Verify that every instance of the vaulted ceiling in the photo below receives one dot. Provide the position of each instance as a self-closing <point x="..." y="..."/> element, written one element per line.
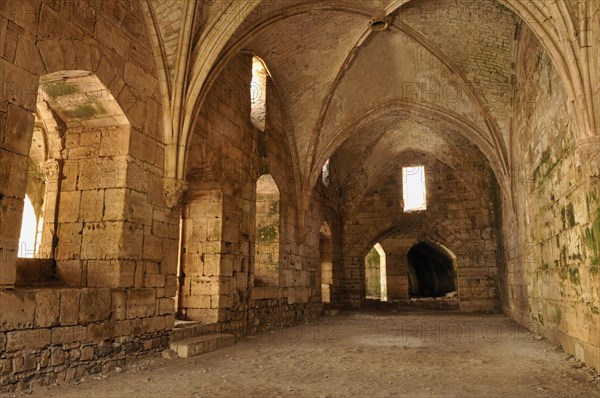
<point x="446" y="66"/>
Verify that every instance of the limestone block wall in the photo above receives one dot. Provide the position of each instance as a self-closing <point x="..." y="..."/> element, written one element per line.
<point x="551" y="240"/>
<point x="396" y="248"/>
<point x="458" y="217"/>
<point x="372" y="275"/>
<point x="116" y="251"/>
<point x="61" y="334"/>
<point x="228" y="152"/>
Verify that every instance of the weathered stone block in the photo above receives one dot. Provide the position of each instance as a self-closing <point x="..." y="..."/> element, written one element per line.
<point x="118" y="304"/>
<point x="92" y="205"/>
<point x="153" y="248"/>
<point x="47" y="309"/>
<point x="154" y="280"/>
<point x="152" y="324"/>
<point x="122" y="328"/>
<point x="27" y="339"/>
<point x="71" y="271"/>
<point x="115" y="141"/>
<point x="166" y="306"/>
<point x="87" y="353"/>
<point x="98" y="331"/>
<point x="104" y="273"/>
<point x="94" y="305"/>
<point x="68" y="334"/>
<point x="17" y="309"/>
<point x="211" y="264"/>
<point x="19" y="130"/>
<point x="69" y="207"/>
<point x="69" y="306"/>
<point x="100" y="241"/>
<point x="57" y="357"/>
<point x="116" y="210"/>
<point x="141" y="303"/>
<point x="170" y="286"/>
<point x="196" y="301"/>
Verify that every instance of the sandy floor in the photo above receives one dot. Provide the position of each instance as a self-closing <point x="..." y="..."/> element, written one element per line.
<point x="408" y="353"/>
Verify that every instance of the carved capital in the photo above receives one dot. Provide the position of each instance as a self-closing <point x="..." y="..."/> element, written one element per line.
<point x="51" y="170"/>
<point x="174" y="188"/>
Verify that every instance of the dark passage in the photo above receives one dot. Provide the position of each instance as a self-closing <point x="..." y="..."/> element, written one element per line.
<point x="431" y="271"/>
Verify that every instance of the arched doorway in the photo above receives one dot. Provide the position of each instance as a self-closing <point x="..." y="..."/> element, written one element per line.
<point x="375" y="274"/>
<point x="326" y="262"/>
<point x="431" y="270"/>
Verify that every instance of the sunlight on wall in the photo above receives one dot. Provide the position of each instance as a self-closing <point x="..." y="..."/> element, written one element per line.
<point x="382" y="271"/>
<point x="413" y="187"/>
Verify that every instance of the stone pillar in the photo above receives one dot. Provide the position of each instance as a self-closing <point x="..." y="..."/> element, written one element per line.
<point x="52" y="172"/>
<point x="201" y="255"/>
<point x="16" y="125"/>
<point x="397" y="271"/>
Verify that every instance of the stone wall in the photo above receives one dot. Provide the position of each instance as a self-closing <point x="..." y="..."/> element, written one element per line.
<point x="458" y="217"/>
<point x="551" y="241"/>
<point x="56" y="335"/>
<point x="116" y="241"/>
<point x="229" y="154"/>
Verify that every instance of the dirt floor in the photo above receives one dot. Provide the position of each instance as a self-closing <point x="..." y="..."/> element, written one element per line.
<point x="405" y="353"/>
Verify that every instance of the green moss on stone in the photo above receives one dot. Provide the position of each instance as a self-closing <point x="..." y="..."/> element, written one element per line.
<point x="267" y="234"/>
<point x="570" y="214"/>
<point x="574" y="276"/>
<point x="592" y="238"/>
<point x="60" y="89"/>
<point x="274" y="209"/>
<point x="545" y="167"/>
<point x="539" y="319"/>
<point x="85" y="111"/>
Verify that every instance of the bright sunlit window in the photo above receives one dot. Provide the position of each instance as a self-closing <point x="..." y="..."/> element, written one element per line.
<point x="258" y="93"/>
<point x="413" y="186"/>
<point x="28" y="231"/>
<point x="325" y="173"/>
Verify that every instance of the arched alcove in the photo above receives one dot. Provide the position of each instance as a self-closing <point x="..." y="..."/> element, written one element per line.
<point x="326" y="261"/>
<point x="431" y="270"/>
<point x="266" y="239"/>
<point x="77" y="161"/>
<point x="375" y="274"/>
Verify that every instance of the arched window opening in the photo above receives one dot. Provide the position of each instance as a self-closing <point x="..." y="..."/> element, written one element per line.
<point x="414" y="191"/>
<point x="326" y="262"/>
<point x="28" y="239"/>
<point x="200" y="256"/>
<point x="325" y="174"/>
<point x="258" y="94"/>
<point x="266" y="246"/>
<point x="33" y="210"/>
<point x="375" y="274"/>
<point x="431" y="270"/>
<point x="78" y="127"/>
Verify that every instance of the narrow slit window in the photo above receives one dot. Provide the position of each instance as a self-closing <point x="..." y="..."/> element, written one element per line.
<point x="258" y="94"/>
<point x="325" y="173"/>
<point x="413" y="186"/>
<point x="27" y="239"/>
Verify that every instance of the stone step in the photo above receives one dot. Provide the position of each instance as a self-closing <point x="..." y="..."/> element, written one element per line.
<point x="186" y="324"/>
<point x="183" y="331"/>
<point x="203" y="344"/>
